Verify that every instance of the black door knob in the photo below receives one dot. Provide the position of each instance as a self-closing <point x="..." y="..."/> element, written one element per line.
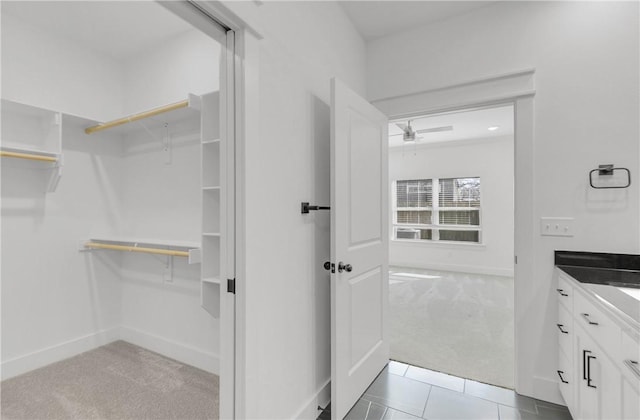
<point x="344" y="267"/>
<point x="327" y="265"/>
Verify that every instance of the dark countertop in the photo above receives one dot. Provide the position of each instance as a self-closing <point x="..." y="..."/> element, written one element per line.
<point x="608" y="276"/>
<point x="621" y="270"/>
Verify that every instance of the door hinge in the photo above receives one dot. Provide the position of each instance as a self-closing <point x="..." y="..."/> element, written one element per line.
<point x="231" y="286"/>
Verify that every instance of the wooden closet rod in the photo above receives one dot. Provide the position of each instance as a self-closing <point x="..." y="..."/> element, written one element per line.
<point x="136" y="117"/>
<point x="169" y="252"/>
<point x="28" y="156"/>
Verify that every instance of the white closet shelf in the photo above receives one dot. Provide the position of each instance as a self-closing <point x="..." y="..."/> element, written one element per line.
<point x="211" y="188"/>
<point x="190" y="250"/>
<point x="213" y="234"/>
<point x="176" y="111"/>
<point x="29" y="154"/>
<point x="212" y="141"/>
<point x="50" y="160"/>
<point x="211" y="280"/>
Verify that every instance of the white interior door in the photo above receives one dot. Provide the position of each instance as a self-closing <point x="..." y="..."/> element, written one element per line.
<point x="359" y="241"/>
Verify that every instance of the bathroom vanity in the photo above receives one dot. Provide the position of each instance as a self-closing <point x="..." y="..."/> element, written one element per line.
<point x="598" y="330"/>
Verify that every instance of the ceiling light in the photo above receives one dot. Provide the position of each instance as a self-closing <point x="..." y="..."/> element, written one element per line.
<point x="493" y="128"/>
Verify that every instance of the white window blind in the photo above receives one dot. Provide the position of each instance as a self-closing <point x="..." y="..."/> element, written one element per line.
<point x="454" y="214"/>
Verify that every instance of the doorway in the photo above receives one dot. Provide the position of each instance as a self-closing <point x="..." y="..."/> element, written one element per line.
<point x="451" y="280"/>
<point x="114" y="185"/>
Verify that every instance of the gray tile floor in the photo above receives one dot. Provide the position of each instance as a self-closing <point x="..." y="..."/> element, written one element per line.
<point x="408" y="392"/>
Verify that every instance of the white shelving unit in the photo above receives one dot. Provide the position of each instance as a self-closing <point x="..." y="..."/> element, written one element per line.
<point x="208" y="252"/>
<point x="32" y="138"/>
<point x="212" y="191"/>
<point x="35" y="135"/>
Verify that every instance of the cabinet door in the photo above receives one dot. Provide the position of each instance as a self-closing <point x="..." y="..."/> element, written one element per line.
<point x="630" y="399"/>
<point x="630" y="369"/>
<point x="599" y="393"/>
<point x="605" y="375"/>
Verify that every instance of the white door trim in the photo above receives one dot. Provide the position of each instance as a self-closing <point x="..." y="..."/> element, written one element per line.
<point x="475" y="93"/>
<point x="217" y="21"/>
<point x="517" y="88"/>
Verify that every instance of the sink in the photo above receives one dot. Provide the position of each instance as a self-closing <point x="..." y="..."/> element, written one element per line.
<point x="634" y="293"/>
<point x="624" y="299"/>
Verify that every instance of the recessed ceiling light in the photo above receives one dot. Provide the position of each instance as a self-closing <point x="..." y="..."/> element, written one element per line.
<point x="493" y="128"/>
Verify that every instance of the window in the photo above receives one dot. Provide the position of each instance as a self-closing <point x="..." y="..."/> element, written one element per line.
<point x="454" y="214"/>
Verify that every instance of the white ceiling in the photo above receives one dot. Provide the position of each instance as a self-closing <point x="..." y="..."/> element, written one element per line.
<point x="374" y="19"/>
<point x="471" y="124"/>
<point x="119" y="29"/>
<point x="107" y="29"/>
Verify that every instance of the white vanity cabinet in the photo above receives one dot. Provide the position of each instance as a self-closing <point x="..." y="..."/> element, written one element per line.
<point x="597" y="375"/>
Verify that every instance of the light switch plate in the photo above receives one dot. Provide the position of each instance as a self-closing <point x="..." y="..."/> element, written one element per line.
<point x="556" y="226"/>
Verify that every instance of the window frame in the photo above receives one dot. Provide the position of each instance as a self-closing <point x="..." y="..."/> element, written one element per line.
<point x="435" y="226"/>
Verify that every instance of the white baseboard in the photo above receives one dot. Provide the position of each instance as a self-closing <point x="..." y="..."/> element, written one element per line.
<point x="458" y="268"/>
<point x="542" y="389"/>
<point x="547" y="390"/>
<point x="321" y="397"/>
<point x="209" y="362"/>
<point x="37" y="359"/>
<point x="206" y="361"/>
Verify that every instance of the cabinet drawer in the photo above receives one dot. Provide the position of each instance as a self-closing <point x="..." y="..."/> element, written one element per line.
<point x="597" y="324"/>
<point x="630" y="357"/>
<point x="565" y="330"/>
<point x="566" y="379"/>
<point x="565" y="292"/>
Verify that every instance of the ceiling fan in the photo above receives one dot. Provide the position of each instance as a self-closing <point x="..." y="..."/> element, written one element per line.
<point x="409" y="134"/>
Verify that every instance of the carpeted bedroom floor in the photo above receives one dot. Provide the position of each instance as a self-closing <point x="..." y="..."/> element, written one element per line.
<point x="116" y="381"/>
<point x="456" y="323"/>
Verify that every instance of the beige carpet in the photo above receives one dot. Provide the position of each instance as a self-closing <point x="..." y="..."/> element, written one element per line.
<point x="116" y="381"/>
<point x="456" y="323"/>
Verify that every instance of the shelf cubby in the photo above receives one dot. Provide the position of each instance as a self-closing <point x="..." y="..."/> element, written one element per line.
<point x="210" y="256"/>
<point x="211" y="211"/>
<point x="210" y="165"/>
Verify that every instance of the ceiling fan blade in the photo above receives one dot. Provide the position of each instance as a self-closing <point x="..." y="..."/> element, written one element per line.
<point x="435" y="129"/>
<point x="402" y="126"/>
<point x="399" y="134"/>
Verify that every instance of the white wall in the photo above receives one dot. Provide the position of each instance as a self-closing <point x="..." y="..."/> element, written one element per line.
<point x="110" y="185"/>
<point x="492" y="160"/>
<point x="286" y="290"/>
<point x="585" y="56"/>
<point x="56" y="302"/>
<point x="56" y="73"/>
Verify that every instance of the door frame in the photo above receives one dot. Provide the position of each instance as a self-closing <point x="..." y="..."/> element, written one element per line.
<point x="517" y="88"/>
<point x="221" y="24"/>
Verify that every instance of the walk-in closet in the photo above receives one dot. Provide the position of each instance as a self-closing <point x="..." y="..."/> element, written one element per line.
<point x="114" y="201"/>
